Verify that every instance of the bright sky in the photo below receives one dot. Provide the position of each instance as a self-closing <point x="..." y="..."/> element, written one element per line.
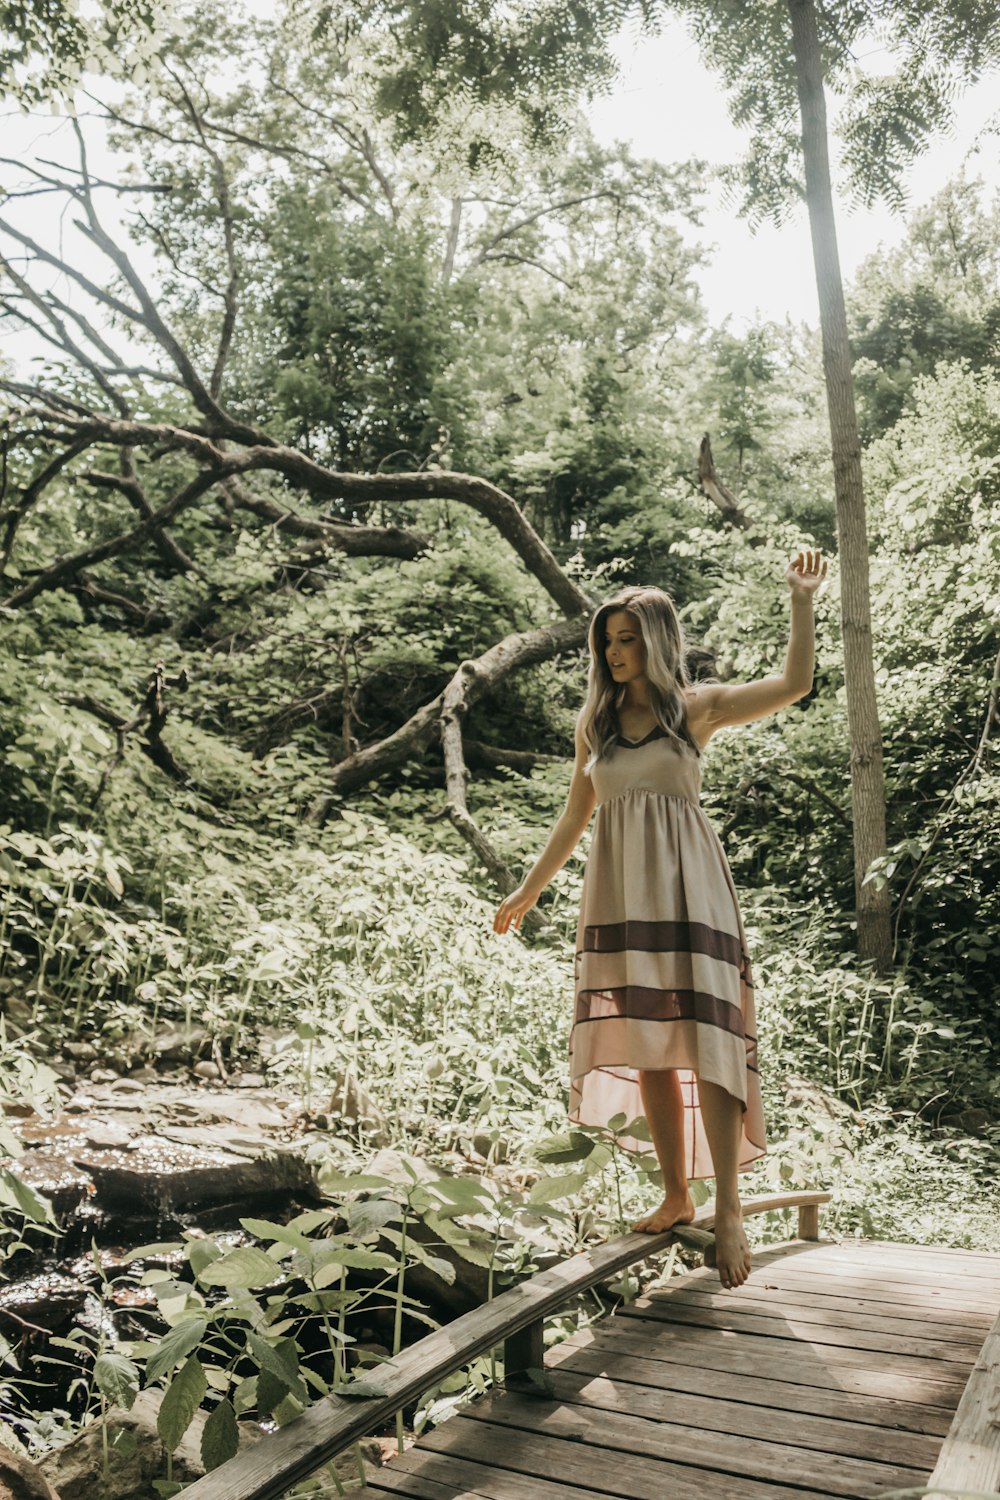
<point x="668" y="105"/>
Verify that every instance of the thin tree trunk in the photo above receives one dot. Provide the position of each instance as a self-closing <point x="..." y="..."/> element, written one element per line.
<point x="867" y="777"/>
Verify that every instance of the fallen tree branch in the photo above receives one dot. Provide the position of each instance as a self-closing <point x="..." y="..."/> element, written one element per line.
<point x="481" y="676"/>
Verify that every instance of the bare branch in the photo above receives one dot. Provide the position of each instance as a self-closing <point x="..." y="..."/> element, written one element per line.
<point x="540" y="213"/>
<point x="356" y="541"/>
<point x="68" y="567"/>
<point x="226" y="208"/>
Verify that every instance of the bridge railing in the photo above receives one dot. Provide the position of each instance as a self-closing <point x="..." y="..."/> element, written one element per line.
<point x="515" y="1318"/>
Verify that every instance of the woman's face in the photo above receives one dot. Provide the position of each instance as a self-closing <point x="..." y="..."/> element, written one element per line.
<point x="624" y="648"/>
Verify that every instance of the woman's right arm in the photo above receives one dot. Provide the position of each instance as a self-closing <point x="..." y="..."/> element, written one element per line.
<point x="562" y="841"/>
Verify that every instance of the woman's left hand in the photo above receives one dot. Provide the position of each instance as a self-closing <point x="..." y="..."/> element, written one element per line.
<point x="806" y="573"/>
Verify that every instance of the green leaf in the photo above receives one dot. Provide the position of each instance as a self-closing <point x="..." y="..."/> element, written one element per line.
<point x="176" y="1345"/>
<point x="248" y="1267"/>
<point x="183" y="1397"/>
<point x="23" y="1197"/>
<point x="201" y="1253"/>
<point x="146" y="1252"/>
<point x="221" y="1437"/>
<point x="282" y="1234"/>
<point x="335" y="1183"/>
<point x="117" y="1378"/>
<point x="361" y="1390"/>
<point x="562" y="1150"/>
<point x="550" y="1189"/>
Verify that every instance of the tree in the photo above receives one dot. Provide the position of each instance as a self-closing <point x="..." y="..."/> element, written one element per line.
<point x="775" y="61"/>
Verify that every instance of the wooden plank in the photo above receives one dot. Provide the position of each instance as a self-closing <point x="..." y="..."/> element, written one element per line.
<point x="711" y="1413"/>
<point x="970" y="1457"/>
<point x="621" y="1474"/>
<point x="923" y="1347"/>
<point x="829" y="1369"/>
<point x="948" y="1250"/>
<point x="756" y="1389"/>
<point x="618" y="1432"/>
<point x="984" y="1275"/>
<point x="880" y="1288"/>
<point x="943" y="1277"/>
<point x="835" y="1312"/>
<point x="788" y="1345"/>
<point x="440" y="1476"/>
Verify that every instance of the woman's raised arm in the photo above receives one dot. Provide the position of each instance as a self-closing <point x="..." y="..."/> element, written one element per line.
<point x="719" y="705"/>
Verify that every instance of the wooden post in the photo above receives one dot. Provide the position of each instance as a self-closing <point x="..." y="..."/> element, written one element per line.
<point x="524" y="1350"/>
<point x="809" y="1221"/>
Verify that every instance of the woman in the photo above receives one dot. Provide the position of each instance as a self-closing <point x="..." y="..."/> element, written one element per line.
<point x="664" y="1019"/>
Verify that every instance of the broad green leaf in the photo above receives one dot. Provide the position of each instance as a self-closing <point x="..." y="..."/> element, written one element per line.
<point x="117" y="1378"/>
<point x="551" y="1189"/>
<point x="175" y="1346"/>
<point x="23" y="1197"/>
<point x="146" y="1252"/>
<point x="183" y="1396"/>
<point x="281" y="1233"/>
<point x="246" y="1267"/>
<point x="333" y="1183"/>
<point x="201" y="1253"/>
<point x="220" y="1438"/>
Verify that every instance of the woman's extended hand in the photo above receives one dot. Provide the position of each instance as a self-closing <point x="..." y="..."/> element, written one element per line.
<point x="806" y="573"/>
<point x="513" y="907"/>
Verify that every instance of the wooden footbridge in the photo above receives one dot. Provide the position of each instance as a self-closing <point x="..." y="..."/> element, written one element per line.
<point x="839" y="1369"/>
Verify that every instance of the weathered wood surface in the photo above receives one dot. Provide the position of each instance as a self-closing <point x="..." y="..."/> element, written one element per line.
<point x="836" y="1370"/>
<point x="970" y="1456"/>
<point x="294" y="1452"/>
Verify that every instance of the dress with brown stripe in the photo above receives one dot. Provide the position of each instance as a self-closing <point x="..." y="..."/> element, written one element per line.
<point x="663" y="976"/>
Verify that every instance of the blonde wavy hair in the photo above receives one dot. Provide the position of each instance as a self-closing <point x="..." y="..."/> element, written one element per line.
<point x="666" y="673"/>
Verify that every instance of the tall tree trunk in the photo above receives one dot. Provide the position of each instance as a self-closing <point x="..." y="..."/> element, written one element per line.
<point x="867" y="777"/>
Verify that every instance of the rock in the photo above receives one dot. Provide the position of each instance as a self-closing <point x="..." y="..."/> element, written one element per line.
<point x="236" y="1109"/>
<point x="20" y="1479"/>
<point x="56" y="1177"/>
<point x="250" y="1081"/>
<point x="483" y="1144"/>
<point x="75" y="1469"/>
<point x="80" y="1052"/>
<point x="103" y="1075"/>
<point x="159" y="1174"/>
<point x="107" y="1137"/>
<point x="48" y="1301"/>
<point x="18" y="1013"/>
<point x="136" y="1084"/>
<point x="206" y="1069"/>
<point x="80" y="1103"/>
<point x="179" y="1045"/>
<point x="389" y="1163"/>
<point x="351" y="1101"/>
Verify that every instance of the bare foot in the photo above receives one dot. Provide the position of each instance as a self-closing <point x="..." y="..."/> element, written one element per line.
<point x="676" y="1208"/>
<point x="733" y="1260"/>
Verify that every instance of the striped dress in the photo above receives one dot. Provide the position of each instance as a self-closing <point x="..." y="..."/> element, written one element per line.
<point x="662" y="973"/>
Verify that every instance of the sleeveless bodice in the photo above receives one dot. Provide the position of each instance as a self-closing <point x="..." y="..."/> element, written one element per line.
<point x="652" y="764"/>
